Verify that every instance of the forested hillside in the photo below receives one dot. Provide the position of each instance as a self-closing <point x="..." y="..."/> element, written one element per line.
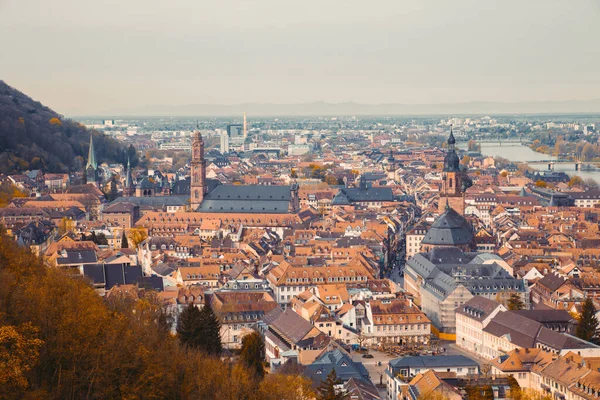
<point x="32" y="136"/>
<point x="60" y="340"/>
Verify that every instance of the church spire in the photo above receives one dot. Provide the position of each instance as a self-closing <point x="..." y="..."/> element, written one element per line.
<point x="451" y="140"/>
<point x="129" y="179"/>
<point x="91" y="161"/>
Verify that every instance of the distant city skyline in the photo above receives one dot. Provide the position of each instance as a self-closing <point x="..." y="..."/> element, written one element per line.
<point x="92" y="58"/>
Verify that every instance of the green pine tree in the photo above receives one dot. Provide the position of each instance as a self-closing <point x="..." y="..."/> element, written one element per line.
<point x="587" y="329"/>
<point x="253" y="354"/>
<point x="327" y="389"/>
<point x="124" y="242"/>
<point x="210" y="331"/>
<point x="515" y="302"/>
<point x="189" y="326"/>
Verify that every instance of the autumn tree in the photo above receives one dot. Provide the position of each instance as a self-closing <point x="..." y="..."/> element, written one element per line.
<point x="137" y="236"/>
<point x="8" y="192"/>
<point x="285" y="387"/>
<point x="479" y="392"/>
<point x="330" y="179"/>
<point x="65" y="225"/>
<point x="587" y="328"/>
<point x="252" y="355"/>
<point x="515" y="388"/>
<point x="55" y="121"/>
<point x="541" y="184"/>
<point x="576" y="181"/>
<point x="114" y="348"/>
<point x="19" y="353"/>
<point x="327" y="390"/>
<point x="588" y="152"/>
<point x="515" y="302"/>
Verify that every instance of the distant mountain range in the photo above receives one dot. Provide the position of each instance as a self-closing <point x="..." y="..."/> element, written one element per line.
<point x="350" y="108"/>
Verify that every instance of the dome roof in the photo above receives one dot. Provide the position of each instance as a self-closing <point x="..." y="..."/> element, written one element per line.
<point x="451" y="139"/>
<point x="450" y="229"/>
<point x="451" y="162"/>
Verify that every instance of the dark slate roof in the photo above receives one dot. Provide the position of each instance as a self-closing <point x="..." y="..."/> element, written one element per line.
<point x="478" y="308"/>
<point x="145" y="184"/>
<point x="155" y="201"/>
<point x="336" y="359"/>
<point x="522" y="330"/>
<point x="562" y="341"/>
<point x="119" y="274"/>
<point x="546" y="316"/>
<point x="451" y="162"/>
<point x="428" y="362"/>
<point x="78" y="257"/>
<point x="151" y="282"/>
<point x="95" y="272"/>
<point x="351" y="195"/>
<point x="450" y="229"/>
<point x="181" y="186"/>
<point x="552" y="281"/>
<point x="259" y="199"/>
<point x="590" y="194"/>
<point x="32" y="234"/>
<point x="448" y="255"/>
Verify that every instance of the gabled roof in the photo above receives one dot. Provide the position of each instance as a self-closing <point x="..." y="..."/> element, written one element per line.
<point x="288" y="324"/>
<point x="478" y="308"/>
<point x="336" y="359"/>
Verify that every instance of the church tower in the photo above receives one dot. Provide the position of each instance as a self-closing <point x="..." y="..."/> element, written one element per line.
<point x="198" y="186"/>
<point x="91" y="168"/>
<point x="128" y="188"/>
<point x="454" y="182"/>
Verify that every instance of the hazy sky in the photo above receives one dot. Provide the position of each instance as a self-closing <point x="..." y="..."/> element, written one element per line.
<point x="85" y="56"/>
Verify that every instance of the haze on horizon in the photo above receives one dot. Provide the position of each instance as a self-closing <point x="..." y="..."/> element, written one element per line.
<point x="87" y="57"/>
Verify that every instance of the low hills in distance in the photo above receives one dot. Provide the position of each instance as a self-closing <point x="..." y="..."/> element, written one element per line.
<point x="32" y="136"/>
<point x="351" y="108"/>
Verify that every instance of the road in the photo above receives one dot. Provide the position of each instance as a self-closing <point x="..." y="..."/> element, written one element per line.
<point x="375" y="370"/>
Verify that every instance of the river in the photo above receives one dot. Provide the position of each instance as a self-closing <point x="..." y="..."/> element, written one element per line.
<point x="519" y="153"/>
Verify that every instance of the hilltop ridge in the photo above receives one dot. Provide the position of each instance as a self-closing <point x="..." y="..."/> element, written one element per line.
<point x="33" y="136"/>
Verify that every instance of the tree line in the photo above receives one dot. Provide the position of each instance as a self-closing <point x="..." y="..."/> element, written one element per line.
<point x="60" y="340"/>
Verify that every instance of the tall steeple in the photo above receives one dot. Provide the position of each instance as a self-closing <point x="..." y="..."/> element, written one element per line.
<point x="91" y="168"/>
<point x="128" y="189"/>
<point x="91" y="161"/>
<point x="198" y="186"/>
<point x="453" y="181"/>
<point x="451" y="140"/>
